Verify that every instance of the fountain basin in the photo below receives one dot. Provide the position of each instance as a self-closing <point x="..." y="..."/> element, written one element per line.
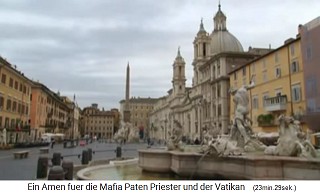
<point x="121" y="170"/>
<point x="155" y="160"/>
<point x="250" y="166"/>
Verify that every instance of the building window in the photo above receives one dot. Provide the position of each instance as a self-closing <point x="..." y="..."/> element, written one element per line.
<point x="11" y="82"/>
<point x="278" y="72"/>
<point x="292" y="49"/>
<point x="253" y="68"/>
<point x="278" y="92"/>
<point x="244" y="71"/>
<point x="294" y="67"/>
<point x="8" y="105"/>
<point x="0" y="121"/>
<point x="296" y="92"/>
<point x="264" y="97"/>
<point x="1" y="102"/>
<point x="276" y="57"/>
<point x="219" y="110"/>
<point x="255" y="102"/>
<point x="14" y="106"/>
<point x="204" y="49"/>
<point x="264" y="76"/>
<point x="264" y="64"/>
<point x="19" y="108"/>
<point x="16" y="85"/>
<point x="3" y="78"/>
<point x="235" y="75"/>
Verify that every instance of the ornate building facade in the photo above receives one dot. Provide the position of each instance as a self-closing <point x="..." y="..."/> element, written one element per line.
<point x="205" y="105"/>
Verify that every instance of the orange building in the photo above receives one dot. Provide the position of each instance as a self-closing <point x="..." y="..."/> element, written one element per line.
<point x="49" y="113"/>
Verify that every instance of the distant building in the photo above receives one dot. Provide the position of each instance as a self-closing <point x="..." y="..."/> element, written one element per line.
<point x="15" y="93"/>
<point x="100" y="123"/>
<point x="73" y="118"/>
<point x="140" y="109"/>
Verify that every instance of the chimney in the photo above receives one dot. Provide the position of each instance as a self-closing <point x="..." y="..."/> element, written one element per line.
<point x="300" y="28"/>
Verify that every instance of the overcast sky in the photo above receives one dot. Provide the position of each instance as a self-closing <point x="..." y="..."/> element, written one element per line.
<point x="82" y="47"/>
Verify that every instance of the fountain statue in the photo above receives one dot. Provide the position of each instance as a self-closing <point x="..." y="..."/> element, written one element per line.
<point x="241" y="137"/>
<point x="292" y="141"/>
<point x="126" y="133"/>
<point x="174" y="142"/>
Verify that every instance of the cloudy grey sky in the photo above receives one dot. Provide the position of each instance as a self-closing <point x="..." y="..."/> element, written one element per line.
<point x="82" y="46"/>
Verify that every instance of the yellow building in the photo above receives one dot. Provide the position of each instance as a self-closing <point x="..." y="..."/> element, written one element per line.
<point x="279" y="85"/>
<point x="15" y="91"/>
<point x="140" y="109"/>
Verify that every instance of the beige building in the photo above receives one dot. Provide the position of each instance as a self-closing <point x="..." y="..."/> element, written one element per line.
<point x="73" y="118"/>
<point x="140" y="109"/>
<point x="15" y="91"/>
<point x="100" y="123"/>
<point x="205" y="105"/>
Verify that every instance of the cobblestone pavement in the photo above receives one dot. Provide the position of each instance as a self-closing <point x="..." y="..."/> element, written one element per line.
<point x="26" y="169"/>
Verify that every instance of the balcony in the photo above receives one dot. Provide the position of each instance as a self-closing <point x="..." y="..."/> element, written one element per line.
<point x="278" y="103"/>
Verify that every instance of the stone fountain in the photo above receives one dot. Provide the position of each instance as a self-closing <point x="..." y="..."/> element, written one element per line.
<point x="126" y="133"/>
<point x="239" y="155"/>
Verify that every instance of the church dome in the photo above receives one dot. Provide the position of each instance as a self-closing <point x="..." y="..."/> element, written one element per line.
<point x="224" y="41"/>
<point x="221" y="39"/>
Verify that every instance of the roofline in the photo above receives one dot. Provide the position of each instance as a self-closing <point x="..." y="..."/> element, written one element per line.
<point x="10" y="66"/>
<point x="262" y="56"/>
<point x="228" y="54"/>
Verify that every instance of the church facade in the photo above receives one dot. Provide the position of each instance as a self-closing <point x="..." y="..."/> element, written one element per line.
<point x="206" y="104"/>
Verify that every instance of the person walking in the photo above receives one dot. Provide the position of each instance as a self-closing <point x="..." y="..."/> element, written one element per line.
<point x="52" y="142"/>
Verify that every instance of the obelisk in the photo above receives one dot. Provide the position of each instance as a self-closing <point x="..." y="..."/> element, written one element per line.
<point x="126" y="110"/>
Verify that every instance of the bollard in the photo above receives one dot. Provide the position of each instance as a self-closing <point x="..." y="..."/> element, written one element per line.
<point x="67" y="166"/>
<point x="118" y="152"/>
<point x="56" y="173"/>
<point x="85" y="157"/>
<point x="42" y="167"/>
<point x="90" y="154"/>
<point x="56" y="159"/>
